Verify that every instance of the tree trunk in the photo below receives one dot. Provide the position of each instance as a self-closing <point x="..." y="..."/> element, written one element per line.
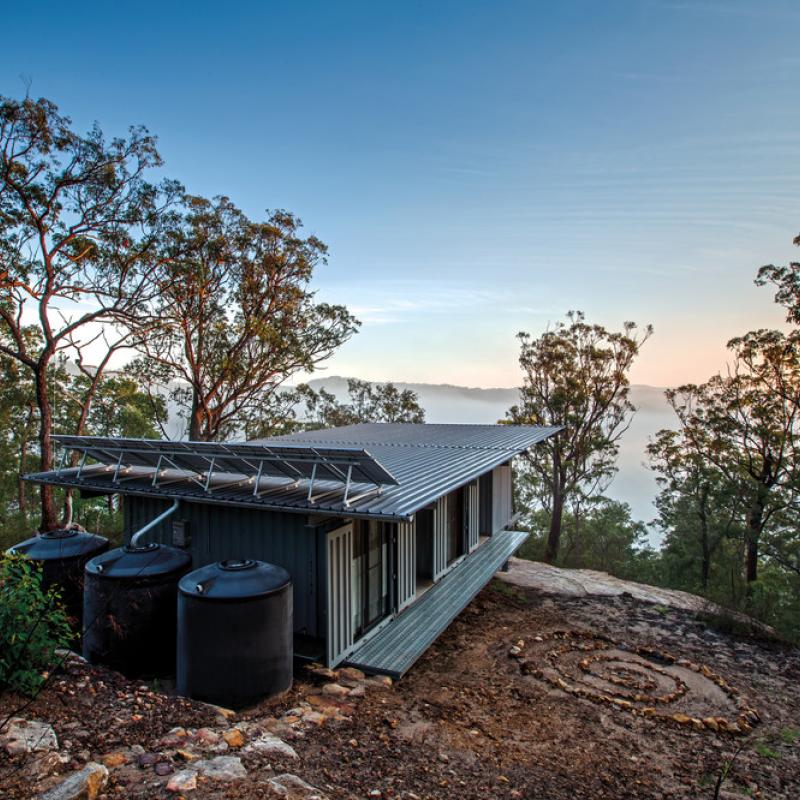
<point x="49" y="519"/>
<point x="22" y="497"/>
<point x="705" y="564"/>
<point x="755" y="521"/>
<point x="554" y="535"/>
<point x="196" y="420"/>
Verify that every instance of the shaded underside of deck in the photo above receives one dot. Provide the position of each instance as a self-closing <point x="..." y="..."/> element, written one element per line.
<point x="397" y="646"/>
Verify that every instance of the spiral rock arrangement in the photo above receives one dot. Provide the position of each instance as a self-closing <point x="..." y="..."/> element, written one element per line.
<point x="643" y="681"/>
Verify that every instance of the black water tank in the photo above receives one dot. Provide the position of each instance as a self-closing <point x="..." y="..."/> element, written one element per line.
<point x="129" y="609"/>
<point x="235" y="633"/>
<point x="63" y="555"/>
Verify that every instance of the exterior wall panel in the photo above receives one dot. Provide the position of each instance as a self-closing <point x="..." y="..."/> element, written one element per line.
<point x="224" y="532"/>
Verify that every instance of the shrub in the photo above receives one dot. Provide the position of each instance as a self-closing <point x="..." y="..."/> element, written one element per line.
<point x="33" y="625"/>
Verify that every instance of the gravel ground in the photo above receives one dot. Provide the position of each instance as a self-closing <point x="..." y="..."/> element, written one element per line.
<point x="527" y="695"/>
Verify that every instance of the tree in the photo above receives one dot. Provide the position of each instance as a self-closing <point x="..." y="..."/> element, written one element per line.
<point x="304" y="408"/>
<point x="786" y="280"/>
<point x="575" y="376"/>
<point x="235" y="317"/>
<point x="367" y="402"/>
<point x="123" y="409"/>
<point x="78" y="225"/>
<point x="696" y="501"/>
<point x="18" y="421"/>
<point x="746" y="425"/>
<point x="603" y="537"/>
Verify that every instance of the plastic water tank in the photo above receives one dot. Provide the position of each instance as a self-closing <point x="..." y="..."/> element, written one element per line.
<point x="63" y="555"/>
<point x="235" y="633"/>
<point x="129" y="609"/>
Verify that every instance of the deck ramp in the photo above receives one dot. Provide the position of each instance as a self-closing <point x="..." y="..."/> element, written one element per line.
<point x="394" y="649"/>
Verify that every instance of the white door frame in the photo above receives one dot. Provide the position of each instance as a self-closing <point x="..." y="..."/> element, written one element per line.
<point x="339" y="552"/>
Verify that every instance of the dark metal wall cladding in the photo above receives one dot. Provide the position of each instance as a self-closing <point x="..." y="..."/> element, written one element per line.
<point x="63" y="558"/>
<point x="234" y="652"/>
<point x="129" y="622"/>
<point x="219" y="533"/>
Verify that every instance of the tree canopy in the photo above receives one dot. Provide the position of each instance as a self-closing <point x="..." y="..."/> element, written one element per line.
<point x="575" y="376"/>
<point x="234" y="316"/>
<point x="79" y="224"/>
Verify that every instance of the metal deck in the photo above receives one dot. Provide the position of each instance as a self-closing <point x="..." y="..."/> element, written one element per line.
<point x="394" y="649"/>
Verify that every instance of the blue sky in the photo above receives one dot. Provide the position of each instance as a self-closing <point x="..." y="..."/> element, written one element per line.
<point x="477" y="168"/>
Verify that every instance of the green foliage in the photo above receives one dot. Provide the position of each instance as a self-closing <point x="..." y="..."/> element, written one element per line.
<point x="786" y="280"/>
<point x="789" y="735"/>
<point x="367" y="402"/>
<point x="78" y="227"/>
<point x="235" y="315"/>
<point x="576" y="377"/>
<point x="745" y="426"/>
<point x="122" y="408"/>
<point x="765" y="751"/>
<point x="601" y="535"/>
<point x="33" y="625"/>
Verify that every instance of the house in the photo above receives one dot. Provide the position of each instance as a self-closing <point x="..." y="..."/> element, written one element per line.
<point x="388" y="530"/>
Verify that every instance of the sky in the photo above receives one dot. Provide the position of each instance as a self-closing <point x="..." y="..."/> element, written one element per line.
<point x="476" y="168"/>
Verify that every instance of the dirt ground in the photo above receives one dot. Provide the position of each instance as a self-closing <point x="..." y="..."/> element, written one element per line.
<point x="526" y="695"/>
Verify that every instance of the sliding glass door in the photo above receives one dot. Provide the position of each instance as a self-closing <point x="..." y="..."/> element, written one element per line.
<point x="371" y="570"/>
<point x="456" y="525"/>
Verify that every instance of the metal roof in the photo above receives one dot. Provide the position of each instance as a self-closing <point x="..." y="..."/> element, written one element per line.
<point x="426" y="461"/>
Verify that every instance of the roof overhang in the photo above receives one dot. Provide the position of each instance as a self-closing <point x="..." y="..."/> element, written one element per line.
<point x="334" y="476"/>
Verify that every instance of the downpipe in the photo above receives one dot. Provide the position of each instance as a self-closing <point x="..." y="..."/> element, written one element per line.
<point x="135" y="539"/>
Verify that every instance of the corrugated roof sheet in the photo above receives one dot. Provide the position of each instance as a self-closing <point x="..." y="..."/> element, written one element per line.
<point x="428" y="461"/>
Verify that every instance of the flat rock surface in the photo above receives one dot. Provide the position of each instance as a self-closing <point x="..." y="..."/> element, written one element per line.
<point x="533" y="692"/>
<point x="584" y="582"/>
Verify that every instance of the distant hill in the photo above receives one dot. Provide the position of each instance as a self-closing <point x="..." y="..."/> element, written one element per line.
<point x="634" y="483"/>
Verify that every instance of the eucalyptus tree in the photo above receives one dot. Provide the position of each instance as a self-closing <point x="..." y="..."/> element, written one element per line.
<point x="786" y="280"/>
<point x="575" y="376"/>
<point x="235" y="316"/>
<point x="18" y="424"/>
<point x="696" y="501"/>
<point x="366" y="402"/>
<point x="746" y="425"/>
<point x="78" y="228"/>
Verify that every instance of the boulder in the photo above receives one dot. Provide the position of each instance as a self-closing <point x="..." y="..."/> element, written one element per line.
<point x="320" y="672"/>
<point x="293" y="788"/>
<point x="270" y="745"/>
<point x="84" y="785"/>
<point x="28" y="736"/>
<point x="183" y="781"/>
<point x="234" y="737"/>
<point x="222" y="768"/>
<point x="116" y="759"/>
<point x="335" y="690"/>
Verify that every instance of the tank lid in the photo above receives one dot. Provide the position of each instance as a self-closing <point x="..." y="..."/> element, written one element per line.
<point x="139" y="562"/>
<point x="235" y="580"/>
<point x="64" y="543"/>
